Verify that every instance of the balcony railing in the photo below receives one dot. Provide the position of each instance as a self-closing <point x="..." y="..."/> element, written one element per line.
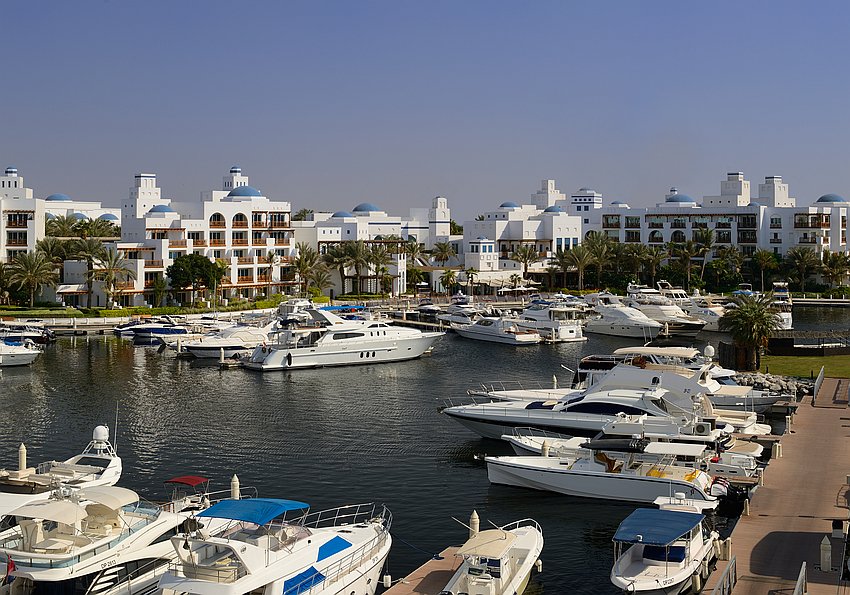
<point x="656" y="240"/>
<point x="699" y="225"/>
<point x="611" y="225"/>
<point x="245" y="279"/>
<point x="775" y="240"/>
<point x="218" y="224"/>
<point x="16" y="224"/>
<point x="153" y="264"/>
<point x="775" y="226"/>
<point x="632" y="225"/>
<point x="723" y="225"/>
<point x="259" y="242"/>
<point x="747" y="224"/>
<point x="239" y="241"/>
<point x="199" y="243"/>
<point x="125" y="285"/>
<point x="16" y="242"/>
<point x="281" y="242"/>
<point x="240" y="224"/>
<point x="149" y="284"/>
<point x="217" y="243"/>
<point x="245" y="260"/>
<point x="278" y="224"/>
<point x="677" y="225"/>
<point x="263" y="278"/>
<point x="177" y="243"/>
<point x="807" y="241"/>
<point x="655" y="225"/>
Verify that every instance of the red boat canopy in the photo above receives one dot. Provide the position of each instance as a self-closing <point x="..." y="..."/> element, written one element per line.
<point x="188" y="480"/>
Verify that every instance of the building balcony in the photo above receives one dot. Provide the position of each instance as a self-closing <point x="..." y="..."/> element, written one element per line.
<point x="278" y="225"/>
<point x="259" y="242"/>
<point x="632" y="225"/>
<point x="775" y="226"/>
<point x="218" y="224"/>
<point x="678" y="225"/>
<point x="263" y="279"/>
<point x="655" y="225"/>
<point x="655" y="241"/>
<point x="217" y="243"/>
<point x="177" y="243"/>
<point x="199" y="243"/>
<point x="246" y="260"/>
<point x="632" y="240"/>
<point x="281" y="242"/>
<point x="149" y="284"/>
<point x="807" y="241"/>
<point x="747" y="225"/>
<point x="611" y="225"/>
<point x="245" y="279"/>
<point x="240" y="224"/>
<point x="16" y="242"/>
<point x="153" y="264"/>
<point x="123" y="285"/>
<point x="239" y="241"/>
<point x="775" y="240"/>
<point x="699" y="225"/>
<point x="723" y="225"/>
<point x="16" y="224"/>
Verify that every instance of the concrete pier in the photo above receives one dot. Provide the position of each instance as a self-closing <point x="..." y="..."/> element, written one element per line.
<point x="805" y="491"/>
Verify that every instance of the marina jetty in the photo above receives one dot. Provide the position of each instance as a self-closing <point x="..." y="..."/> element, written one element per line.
<point x="793" y="538"/>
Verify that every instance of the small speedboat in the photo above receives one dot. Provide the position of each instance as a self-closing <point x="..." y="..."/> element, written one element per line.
<point x="17" y="353"/>
<point x="498" y="330"/>
<point x="662" y="552"/>
<point x="498" y="561"/>
<point x="260" y="548"/>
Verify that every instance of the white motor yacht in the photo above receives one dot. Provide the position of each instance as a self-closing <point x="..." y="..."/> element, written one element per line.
<point x="294" y="311"/>
<point x="663" y="552"/>
<point x="554" y="321"/>
<point x="97" y="465"/>
<point x="460" y="313"/>
<point x="233" y="341"/>
<point x="590" y="473"/>
<point x="615" y="318"/>
<point x="782" y="304"/>
<point x="663" y="310"/>
<point x="333" y="341"/>
<point x="675" y="294"/>
<point x="103" y="540"/>
<point x="258" y="549"/>
<point x="498" y="561"/>
<point x="17" y="353"/>
<point x="498" y="330"/>
<point x="704" y="308"/>
<point x="22" y="331"/>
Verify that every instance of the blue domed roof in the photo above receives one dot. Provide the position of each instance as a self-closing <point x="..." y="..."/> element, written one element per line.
<point x="58" y="197"/>
<point x="79" y="216"/>
<point x="342" y="214"/>
<point x="161" y="209"/>
<point x="754" y="204"/>
<point x="49" y="216"/>
<point x="831" y="198"/>
<point x="483" y="239"/>
<point x="680" y="198"/>
<point x="108" y="217"/>
<point x="236" y="169"/>
<point x="365" y="207"/>
<point x="553" y="209"/>
<point x="509" y="205"/>
<point x="587" y="190"/>
<point x="244" y="191"/>
<point x="11" y="170"/>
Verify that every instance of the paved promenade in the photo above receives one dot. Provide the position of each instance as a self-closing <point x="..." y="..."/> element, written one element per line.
<point x="804" y="492"/>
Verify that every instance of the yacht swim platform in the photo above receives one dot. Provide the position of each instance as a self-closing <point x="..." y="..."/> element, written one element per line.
<point x="431" y="577"/>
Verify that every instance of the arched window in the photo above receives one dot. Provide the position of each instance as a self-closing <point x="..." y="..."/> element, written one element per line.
<point x="678" y="236"/>
<point x="655" y="237"/>
<point x="240" y="220"/>
<point x="217" y="220"/>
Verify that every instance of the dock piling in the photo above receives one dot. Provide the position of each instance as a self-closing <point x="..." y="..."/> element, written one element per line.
<point x="825" y="554"/>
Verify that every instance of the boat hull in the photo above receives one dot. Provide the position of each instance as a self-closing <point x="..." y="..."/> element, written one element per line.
<point x="214" y="351"/>
<point x="529" y="339"/>
<point x="371" y="352"/>
<point x="583" y="484"/>
<point x="494" y="427"/>
<point x="17" y="358"/>
<point x="622" y="330"/>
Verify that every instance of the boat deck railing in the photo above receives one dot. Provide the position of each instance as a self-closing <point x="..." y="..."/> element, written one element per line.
<point x="522" y="523"/>
<point x="729" y="578"/>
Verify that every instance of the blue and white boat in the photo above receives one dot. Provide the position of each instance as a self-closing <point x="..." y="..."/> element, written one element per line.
<point x="662" y="552"/>
<point x="17" y="353"/>
<point x="260" y="549"/>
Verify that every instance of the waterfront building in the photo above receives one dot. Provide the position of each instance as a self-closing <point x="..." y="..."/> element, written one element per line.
<point x="22" y="221"/>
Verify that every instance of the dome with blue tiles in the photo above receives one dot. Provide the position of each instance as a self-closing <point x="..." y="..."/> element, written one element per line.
<point x="831" y="198"/>
<point x="341" y="214"/>
<point x="58" y="197"/>
<point x="236" y="169"/>
<point x="553" y="209"/>
<point x="679" y="198"/>
<point x="49" y="216"/>
<point x="509" y="205"/>
<point x="11" y="170"/>
<point x="161" y="209"/>
<point x="80" y="216"/>
<point x="244" y="191"/>
<point x="483" y="239"/>
<point x="365" y="207"/>
<point x="108" y="217"/>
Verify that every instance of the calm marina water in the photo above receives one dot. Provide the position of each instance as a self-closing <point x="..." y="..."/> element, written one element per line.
<point x="329" y="437"/>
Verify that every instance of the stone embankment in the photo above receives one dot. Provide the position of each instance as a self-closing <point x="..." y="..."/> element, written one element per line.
<point x="776" y="383"/>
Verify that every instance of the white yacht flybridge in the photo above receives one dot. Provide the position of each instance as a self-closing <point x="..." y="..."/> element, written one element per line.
<point x="615" y="318"/>
<point x="333" y="341"/>
<point x="97" y="465"/>
<point x="662" y="309"/>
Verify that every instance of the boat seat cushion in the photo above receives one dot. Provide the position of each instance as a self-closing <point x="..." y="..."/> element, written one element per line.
<point x="659" y="553"/>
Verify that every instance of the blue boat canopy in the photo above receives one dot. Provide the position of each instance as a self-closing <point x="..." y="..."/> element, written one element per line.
<point x="252" y="510"/>
<point x="651" y="526"/>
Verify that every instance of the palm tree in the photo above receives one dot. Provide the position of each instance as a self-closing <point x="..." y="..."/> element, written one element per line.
<point x="685" y="253"/>
<point x="751" y="322"/>
<point x="764" y="260"/>
<point x="112" y="269"/>
<point x="55" y="250"/>
<point x="704" y="239"/>
<point x="320" y="278"/>
<point x="160" y="288"/>
<point x="448" y="279"/>
<point x="413" y="250"/>
<point x="525" y="255"/>
<point x="834" y="267"/>
<point x="357" y="257"/>
<point x="305" y="262"/>
<point x="61" y="227"/>
<point x="5" y="282"/>
<point x="654" y="257"/>
<point x="470" y="273"/>
<point x="335" y="257"/>
<point x="802" y="261"/>
<point x="599" y="246"/>
<point x="515" y="280"/>
<point x="414" y="278"/>
<point x="633" y="256"/>
<point x="95" y="228"/>
<point x="32" y="270"/>
<point x="579" y="258"/>
<point x="88" y="250"/>
<point x="380" y="259"/>
<point x="442" y="252"/>
<point x="302" y="215"/>
<point x="561" y="260"/>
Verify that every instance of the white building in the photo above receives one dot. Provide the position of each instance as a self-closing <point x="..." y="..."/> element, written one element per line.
<point x="22" y="222"/>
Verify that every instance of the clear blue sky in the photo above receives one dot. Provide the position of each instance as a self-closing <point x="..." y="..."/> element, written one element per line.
<point x="327" y="104"/>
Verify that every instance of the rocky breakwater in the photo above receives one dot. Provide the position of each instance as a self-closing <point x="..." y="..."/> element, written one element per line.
<point x="775" y="383"/>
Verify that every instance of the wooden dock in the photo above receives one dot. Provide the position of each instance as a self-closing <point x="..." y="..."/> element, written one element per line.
<point x="804" y="491"/>
<point x="431" y="577"/>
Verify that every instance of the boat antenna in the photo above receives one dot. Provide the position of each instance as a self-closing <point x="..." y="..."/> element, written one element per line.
<point x="115" y="443"/>
<point x="462" y="523"/>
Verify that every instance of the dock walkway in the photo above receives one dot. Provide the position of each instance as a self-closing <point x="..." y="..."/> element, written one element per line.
<point x="805" y="491"/>
<point x="431" y="577"/>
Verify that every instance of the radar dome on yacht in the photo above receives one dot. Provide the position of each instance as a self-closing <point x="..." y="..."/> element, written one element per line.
<point x="100" y="434"/>
<point x="708" y="351"/>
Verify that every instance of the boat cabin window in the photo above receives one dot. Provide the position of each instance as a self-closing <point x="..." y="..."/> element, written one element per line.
<point x="675" y="553"/>
<point x="93" y="462"/>
<point x="485" y="322"/>
<point x="337" y="336"/>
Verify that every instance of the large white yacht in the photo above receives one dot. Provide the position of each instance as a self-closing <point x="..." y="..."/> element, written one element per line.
<point x="259" y="550"/>
<point x="233" y="341"/>
<point x="97" y="465"/>
<point x="662" y="552"/>
<point x="554" y="321"/>
<point x="663" y="310"/>
<point x="498" y="561"/>
<point x="705" y="308"/>
<point x="333" y="341"/>
<point x="17" y="353"/>
<point x="498" y="330"/>
<point x="782" y="304"/>
<point x="615" y="318"/>
<point x="102" y="540"/>
<point x="460" y="313"/>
